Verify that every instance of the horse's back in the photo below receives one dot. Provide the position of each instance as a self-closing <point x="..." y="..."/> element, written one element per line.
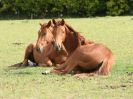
<point x="96" y="48"/>
<point x="91" y="54"/>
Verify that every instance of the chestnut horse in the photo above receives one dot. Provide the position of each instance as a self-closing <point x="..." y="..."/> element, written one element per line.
<point x="88" y="57"/>
<point x="35" y="52"/>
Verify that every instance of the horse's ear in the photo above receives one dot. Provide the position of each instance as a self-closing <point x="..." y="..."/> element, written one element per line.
<point x="62" y="22"/>
<point x="49" y="24"/>
<point x="54" y="22"/>
<point x="41" y="24"/>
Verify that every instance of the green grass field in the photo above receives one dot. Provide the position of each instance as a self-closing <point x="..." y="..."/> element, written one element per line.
<point x="28" y="83"/>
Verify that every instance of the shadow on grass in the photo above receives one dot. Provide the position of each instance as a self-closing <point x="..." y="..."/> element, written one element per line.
<point x="17" y="43"/>
<point x="23" y="73"/>
<point x="117" y="86"/>
<point x="17" y="70"/>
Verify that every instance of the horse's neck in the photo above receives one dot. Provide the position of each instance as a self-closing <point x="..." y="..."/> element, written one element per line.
<point x="53" y="55"/>
<point x="71" y="42"/>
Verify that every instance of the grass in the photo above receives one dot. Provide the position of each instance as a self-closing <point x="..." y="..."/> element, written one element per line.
<point x="28" y="83"/>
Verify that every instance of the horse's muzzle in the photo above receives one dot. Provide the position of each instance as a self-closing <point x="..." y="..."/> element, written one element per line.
<point x="40" y="49"/>
<point x="57" y="47"/>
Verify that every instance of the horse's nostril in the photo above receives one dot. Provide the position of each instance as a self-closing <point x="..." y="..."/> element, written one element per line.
<point x="37" y="48"/>
<point x="58" y="48"/>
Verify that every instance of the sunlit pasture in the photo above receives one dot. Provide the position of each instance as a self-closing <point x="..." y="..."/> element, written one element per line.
<point x="29" y="83"/>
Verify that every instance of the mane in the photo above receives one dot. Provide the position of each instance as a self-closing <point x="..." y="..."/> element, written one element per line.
<point x="80" y="39"/>
<point x="70" y="28"/>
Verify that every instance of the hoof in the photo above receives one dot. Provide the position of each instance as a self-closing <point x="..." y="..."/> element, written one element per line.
<point x="30" y="63"/>
<point x="45" y="72"/>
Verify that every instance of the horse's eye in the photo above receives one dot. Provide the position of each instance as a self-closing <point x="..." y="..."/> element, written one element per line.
<point x="63" y="32"/>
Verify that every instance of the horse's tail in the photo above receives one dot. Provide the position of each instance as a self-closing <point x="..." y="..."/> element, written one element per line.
<point x="104" y="68"/>
<point x="16" y="65"/>
<point x="107" y="65"/>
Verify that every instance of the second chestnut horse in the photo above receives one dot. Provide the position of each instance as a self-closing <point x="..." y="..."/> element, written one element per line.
<point x="35" y="52"/>
<point x="88" y="57"/>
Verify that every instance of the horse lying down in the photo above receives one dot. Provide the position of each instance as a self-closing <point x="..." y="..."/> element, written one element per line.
<point x="90" y="59"/>
<point x="35" y="52"/>
<point x="84" y="59"/>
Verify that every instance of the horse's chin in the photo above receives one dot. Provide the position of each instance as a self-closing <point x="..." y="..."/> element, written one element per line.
<point x="57" y="48"/>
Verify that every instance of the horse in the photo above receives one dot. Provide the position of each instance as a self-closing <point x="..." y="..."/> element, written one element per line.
<point x="35" y="52"/>
<point x="89" y="57"/>
<point x="70" y="40"/>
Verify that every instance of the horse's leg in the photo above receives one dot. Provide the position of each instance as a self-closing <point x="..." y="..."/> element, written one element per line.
<point x="65" y="68"/>
<point x="58" y="70"/>
<point x="106" y="66"/>
<point x="16" y="65"/>
<point x="47" y="62"/>
<point x="61" y="66"/>
<point x="28" y="54"/>
<point x="69" y="65"/>
<point x="62" y="60"/>
<point x="72" y="64"/>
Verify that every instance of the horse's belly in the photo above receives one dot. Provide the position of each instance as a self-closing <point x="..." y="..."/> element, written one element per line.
<point x="89" y="57"/>
<point x="87" y="61"/>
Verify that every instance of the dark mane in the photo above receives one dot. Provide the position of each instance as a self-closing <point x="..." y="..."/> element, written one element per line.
<point x="70" y="28"/>
<point x="78" y="37"/>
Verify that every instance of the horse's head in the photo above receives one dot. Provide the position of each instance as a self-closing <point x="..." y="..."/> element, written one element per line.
<point x="59" y="33"/>
<point x="44" y="36"/>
